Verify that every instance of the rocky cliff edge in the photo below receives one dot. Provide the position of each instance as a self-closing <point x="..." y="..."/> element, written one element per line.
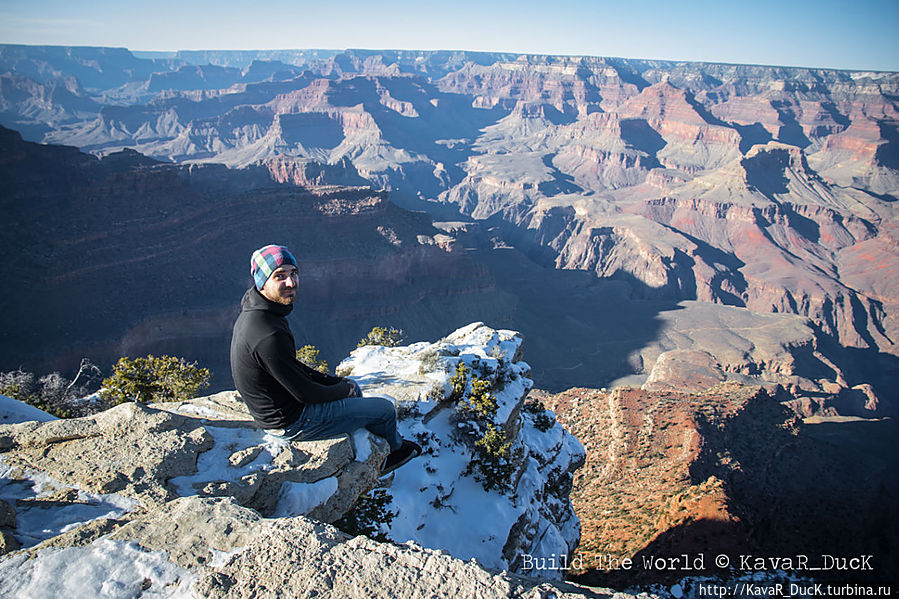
<point x="189" y="499"/>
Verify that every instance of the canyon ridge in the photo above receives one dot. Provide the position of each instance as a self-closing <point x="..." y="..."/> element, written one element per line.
<point x="639" y="221"/>
<point x="699" y="256"/>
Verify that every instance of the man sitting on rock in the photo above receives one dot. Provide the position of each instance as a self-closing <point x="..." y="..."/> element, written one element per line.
<point x="287" y="398"/>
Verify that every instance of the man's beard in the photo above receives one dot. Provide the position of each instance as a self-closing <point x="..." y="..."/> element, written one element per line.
<point x="285" y="300"/>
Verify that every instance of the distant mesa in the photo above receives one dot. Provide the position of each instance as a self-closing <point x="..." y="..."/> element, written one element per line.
<point x="759" y="188"/>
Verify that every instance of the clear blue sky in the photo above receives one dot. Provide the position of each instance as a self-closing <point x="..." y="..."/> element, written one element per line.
<point x="855" y="34"/>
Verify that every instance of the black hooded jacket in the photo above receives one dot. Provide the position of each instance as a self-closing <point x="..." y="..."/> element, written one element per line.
<point x="272" y="382"/>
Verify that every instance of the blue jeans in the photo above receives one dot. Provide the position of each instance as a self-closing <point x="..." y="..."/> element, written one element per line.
<point x="327" y="420"/>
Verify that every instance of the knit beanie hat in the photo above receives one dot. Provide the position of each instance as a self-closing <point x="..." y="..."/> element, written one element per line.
<point x="266" y="259"/>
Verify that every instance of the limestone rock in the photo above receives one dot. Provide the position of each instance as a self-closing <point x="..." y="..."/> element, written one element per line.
<point x="526" y="487"/>
<point x="135" y="457"/>
<point x="130" y="449"/>
<point x="191" y="529"/>
<point x="213" y="547"/>
<point x="684" y="370"/>
<point x="301" y="557"/>
<point x="225" y="408"/>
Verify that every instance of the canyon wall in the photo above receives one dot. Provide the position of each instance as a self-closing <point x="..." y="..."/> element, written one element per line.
<point x="727" y="472"/>
<point x="768" y="189"/>
<point x="128" y="256"/>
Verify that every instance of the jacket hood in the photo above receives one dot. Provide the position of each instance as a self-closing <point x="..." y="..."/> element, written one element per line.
<point x="253" y="300"/>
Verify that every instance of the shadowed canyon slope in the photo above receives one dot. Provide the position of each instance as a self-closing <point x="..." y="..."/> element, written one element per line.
<point x="728" y="471"/>
<point x="694" y="195"/>
<point x="126" y="256"/>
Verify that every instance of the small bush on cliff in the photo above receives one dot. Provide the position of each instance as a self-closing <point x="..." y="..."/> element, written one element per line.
<point x="492" y="465"/>
<point x="481" y="401"/>
<point x="459" y="382"/>
<point x="309" y="355"/>
<point x="369" y="516"/>
<point x="53" y="393"/>
<point x="382" y="336"/>
<point x="153" y="379"/>
<point x="542" y="420"/>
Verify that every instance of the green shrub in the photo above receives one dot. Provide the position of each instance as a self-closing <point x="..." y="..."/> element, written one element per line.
<point x="491" y="463"/>
<point x="542" y="420"/>
<point x="459" y="382"/>
<point x="369" y="516"/>
<point x="309" y="355"/>
<point x="382" y="336"/>
<point x="481" y="401"/>
<point x="492" y="460"/>
<point x="153" y="379"/>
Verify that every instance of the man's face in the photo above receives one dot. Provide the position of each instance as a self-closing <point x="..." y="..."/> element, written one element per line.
<point x="281" y="287"/>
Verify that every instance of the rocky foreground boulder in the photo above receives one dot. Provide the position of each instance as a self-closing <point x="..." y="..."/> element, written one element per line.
<point x="189" y="499"/>
<point x="496" y="473"/>
<point x="212" y="547"/>
<point x="143" y="457"/>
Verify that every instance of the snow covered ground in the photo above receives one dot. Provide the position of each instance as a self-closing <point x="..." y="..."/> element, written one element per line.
<point x="107" y="569"/>
<point x="37" y="520"/>
<point x="436" y="503"/>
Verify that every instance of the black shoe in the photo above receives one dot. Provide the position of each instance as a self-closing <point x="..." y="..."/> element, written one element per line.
<point x="407" y="451"/>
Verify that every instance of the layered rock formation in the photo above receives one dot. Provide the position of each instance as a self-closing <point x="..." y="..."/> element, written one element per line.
<point x="768" y="189"/>
<point x="127" y="256"/>
<point x="516" y="499"/>
<point x="726" y="472"/>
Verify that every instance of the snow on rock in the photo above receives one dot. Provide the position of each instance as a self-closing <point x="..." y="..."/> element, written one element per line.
<point x="211" y="547"/>
<point x="104" y="569"/>
<point x="302" y="498"/>
<point x="61" y="474"/>
<point x="45" y="508"/>
<point x="170" y="500"/>
<point x="13" y="411"/>
<point x="439" y="499"/>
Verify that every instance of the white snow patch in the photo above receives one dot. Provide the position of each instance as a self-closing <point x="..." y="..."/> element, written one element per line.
<point x="13" y="411"/>
<point x="220" y="558"/>
<point x="362" y="444"/>
<point x="195" y="410"/>
<point x="105" y="568"/>
<point x="297" y="499"/>
<point x="36" y="521"/>
<point x="213" y="465"/>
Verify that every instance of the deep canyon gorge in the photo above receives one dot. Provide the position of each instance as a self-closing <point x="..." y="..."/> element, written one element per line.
<point x="717" y="242"/>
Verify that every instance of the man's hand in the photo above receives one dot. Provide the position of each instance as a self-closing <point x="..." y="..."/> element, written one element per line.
<point x="355" y="390"/>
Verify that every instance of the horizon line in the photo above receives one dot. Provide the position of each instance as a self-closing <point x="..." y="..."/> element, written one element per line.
<point x="460" y="51"/>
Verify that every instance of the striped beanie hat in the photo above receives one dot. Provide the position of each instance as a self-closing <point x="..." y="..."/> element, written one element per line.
<point x="266" y="259"/>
